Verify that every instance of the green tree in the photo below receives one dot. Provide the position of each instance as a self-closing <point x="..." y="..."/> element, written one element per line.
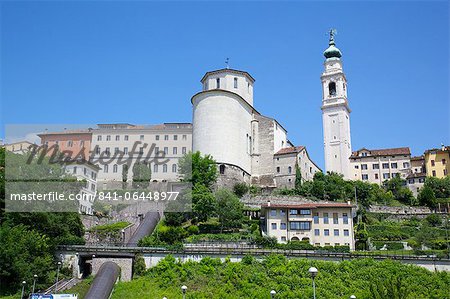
<point x="401" y="193"/>
<point x="142" y="175"/>
<point x="298" y="177"/>
<point x="204" y="203"/>
<point x="240" y="189"/>
<point x="139" y="266"/>
<point x="198" y="169"/>
<point x="426" y="197"/>
<point x="229" y="209"/>
<point x="434" y="220"/>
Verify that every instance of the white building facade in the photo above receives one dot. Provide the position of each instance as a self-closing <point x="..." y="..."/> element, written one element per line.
<point x="321" y="223"/>
<point x="335" y="113"/>
<point x="378" y="165"/>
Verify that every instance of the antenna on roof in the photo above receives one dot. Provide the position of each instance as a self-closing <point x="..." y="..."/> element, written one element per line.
<point x="227" y="62"/>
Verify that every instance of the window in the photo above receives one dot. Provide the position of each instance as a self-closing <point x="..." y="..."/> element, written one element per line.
<point x="376" y="166"/>
<point x="365" y="177"/>
<point x="364" y="166"/>
<point x="116" y="150"/>
<point x="356" y="166"/>
<point x="174" y="150"/>
<point x="115" y="168"/>
<point x="222" y="169"/>
<point x="117" y="137"/>
<point x="166" y="150"/>
<point x="156" y="150"/>
<point x="345" y="218"/>
<point x="183" y="150"/>
<point x="432" y="162"/>
<point x="141" y="150"/>
<point x="434" y="172"/>
<point x="278" y="169"/>
<point x="393" y="165"/>
<point x="141" y="138"/>
<point x="332" y="88"/>
<point x="174" y="167"/>
<point x="405" y="165"/>
<point x="125" y="137"/>
<point x="283" y="226"/>
<point x="421" y="180"/>
<point x="305" y="212"/>
<point x="69" y="143"/>
<point x="335" y="218"/>
<point x="107" y="151"/>
<point x="105" y="168"/>
<point x="273" y="212"/>
<point x="316" y="218"/>
<point x="75" y="170"/>
<point x="218" y="83"/>
<point x="155" y="168"/>
<point x="346" y="232"/>
<point x="85" y="171"/>
<point x="316" y="232"/>
<point x="235" y="83"/>
<point x="336" y="232"/>
<point x="92" y="187"/>
<point x="125" y="150"/>
<point x="93" y="175"/>
<point x="175" y="137"/>
<point x="411" y="181"/>
<point x="166" y="137"/>
<point x="325" y="218"/>
<point x="164" y="167"/>
<point x="108" y="137"/>
<point x="376" y="176"/>
<point x="274" y="226"/>
<point x="326" y="232"/>
<point x="300" y="225"/>
<point x="293" y="212"/>
<point x="97" y="150"/>
<point x="443" y="161"/>
<point x="289" y="169"/>
<point x="385" y="165"/>
<point x="283" y="239"/>
<point x="99" y="138"/>
<point x="156" y="137"/>
<point x="386" y="176"/>
<point x="282" y="213"/>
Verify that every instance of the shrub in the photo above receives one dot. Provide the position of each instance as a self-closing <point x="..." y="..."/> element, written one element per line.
<point x="193" y="230"/>
<point x="240" y="189"/>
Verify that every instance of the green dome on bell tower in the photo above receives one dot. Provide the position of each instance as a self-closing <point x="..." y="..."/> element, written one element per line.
<point x="332" y="51"/>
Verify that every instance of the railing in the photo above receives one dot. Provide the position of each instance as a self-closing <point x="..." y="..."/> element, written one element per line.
<point x="242" y="249"/>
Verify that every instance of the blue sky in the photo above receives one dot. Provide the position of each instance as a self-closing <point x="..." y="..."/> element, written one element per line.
<point x="140" y="62"/>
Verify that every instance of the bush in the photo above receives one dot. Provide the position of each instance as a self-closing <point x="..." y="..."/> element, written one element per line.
<point x="139" y="266"/>
<point x="240" y="189"/>
<point x="266" y="242"/>
<point x="193" y="230"/>
<point x="434" y="220"/>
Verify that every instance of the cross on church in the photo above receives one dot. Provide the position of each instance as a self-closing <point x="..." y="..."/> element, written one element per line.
<point x="332" y="32"/>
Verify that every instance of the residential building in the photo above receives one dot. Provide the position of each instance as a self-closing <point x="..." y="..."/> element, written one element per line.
<point x="285" y="162"/>
<point x="121" y="145"/>
<point x="378" y="165"/>
<point x="73" y="143"/>
<point x="19" y="147"/>
<point x="418" y="164"/>
<point x="88" y="172"/>
<point x="437" y="161"/>
<point x="335" y="113"/>
<point x="319" y="223"/>
<point x="415" y="181"/>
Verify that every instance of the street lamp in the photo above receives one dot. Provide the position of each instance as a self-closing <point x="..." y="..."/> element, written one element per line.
<point x="352" y="297"/>
<point x="313" y="272"/>
<point x="23" y="288"/>
<point x="34" y="282"/>
<point x="183" y="289"/>
<point x="57" y="277"/>
<point x="272" y="294"/>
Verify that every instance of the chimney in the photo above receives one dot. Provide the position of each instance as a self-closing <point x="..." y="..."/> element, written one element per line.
<point x="268" y="203"/>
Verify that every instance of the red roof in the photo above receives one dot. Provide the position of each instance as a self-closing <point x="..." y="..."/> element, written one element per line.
<point x="383" y="152"/>
<point x="290" y="150"/>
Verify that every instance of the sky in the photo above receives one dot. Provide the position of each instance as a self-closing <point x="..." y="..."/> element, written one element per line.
<point x="141" y="62"/>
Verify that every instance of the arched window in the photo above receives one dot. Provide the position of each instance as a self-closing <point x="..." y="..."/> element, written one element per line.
<point x="289" y="169"/>
<point x="332" y="88"/>
<point x="222" y="169"/>
<point x="235" y="83"/>
<point x="218" y="82"/>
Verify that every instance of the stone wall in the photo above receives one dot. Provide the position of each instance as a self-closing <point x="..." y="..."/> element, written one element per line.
<point x="232" y="175"/>
<point x="125" y="264"/>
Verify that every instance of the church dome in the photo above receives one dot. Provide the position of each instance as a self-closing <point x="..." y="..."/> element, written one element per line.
<point x="332" y="51"/>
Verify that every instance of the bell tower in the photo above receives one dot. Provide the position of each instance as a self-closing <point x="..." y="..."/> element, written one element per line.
<point x="335" y="112"/>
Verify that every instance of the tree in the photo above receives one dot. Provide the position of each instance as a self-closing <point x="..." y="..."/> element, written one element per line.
<point x="142" y="175"/>
<point x="204" y="203"/>
<point x="401" y="193"/>
<point x="298" y="177"/>
<point x="229" y="209"/>
<point x="198" y="169"/>
<point x="434" y="220"/>
<point x="440" y="187"/>
<point x="426" y="197"/>
<point x="240" y="189"/>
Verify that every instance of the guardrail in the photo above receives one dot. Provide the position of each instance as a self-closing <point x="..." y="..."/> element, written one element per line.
<point x="239" y="250"/>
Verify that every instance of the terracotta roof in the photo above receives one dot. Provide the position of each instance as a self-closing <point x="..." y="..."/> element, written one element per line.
<point x="383" y="152"/>
<point x="416" y="175"/>
<point x="309" y="205"/>
<point x="441" y="149"/>
<point x="417" y="158"/>
<point x="290" y="150"/>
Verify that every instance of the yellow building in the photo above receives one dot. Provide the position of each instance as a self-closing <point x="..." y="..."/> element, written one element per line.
<point x="437" y="162"/>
